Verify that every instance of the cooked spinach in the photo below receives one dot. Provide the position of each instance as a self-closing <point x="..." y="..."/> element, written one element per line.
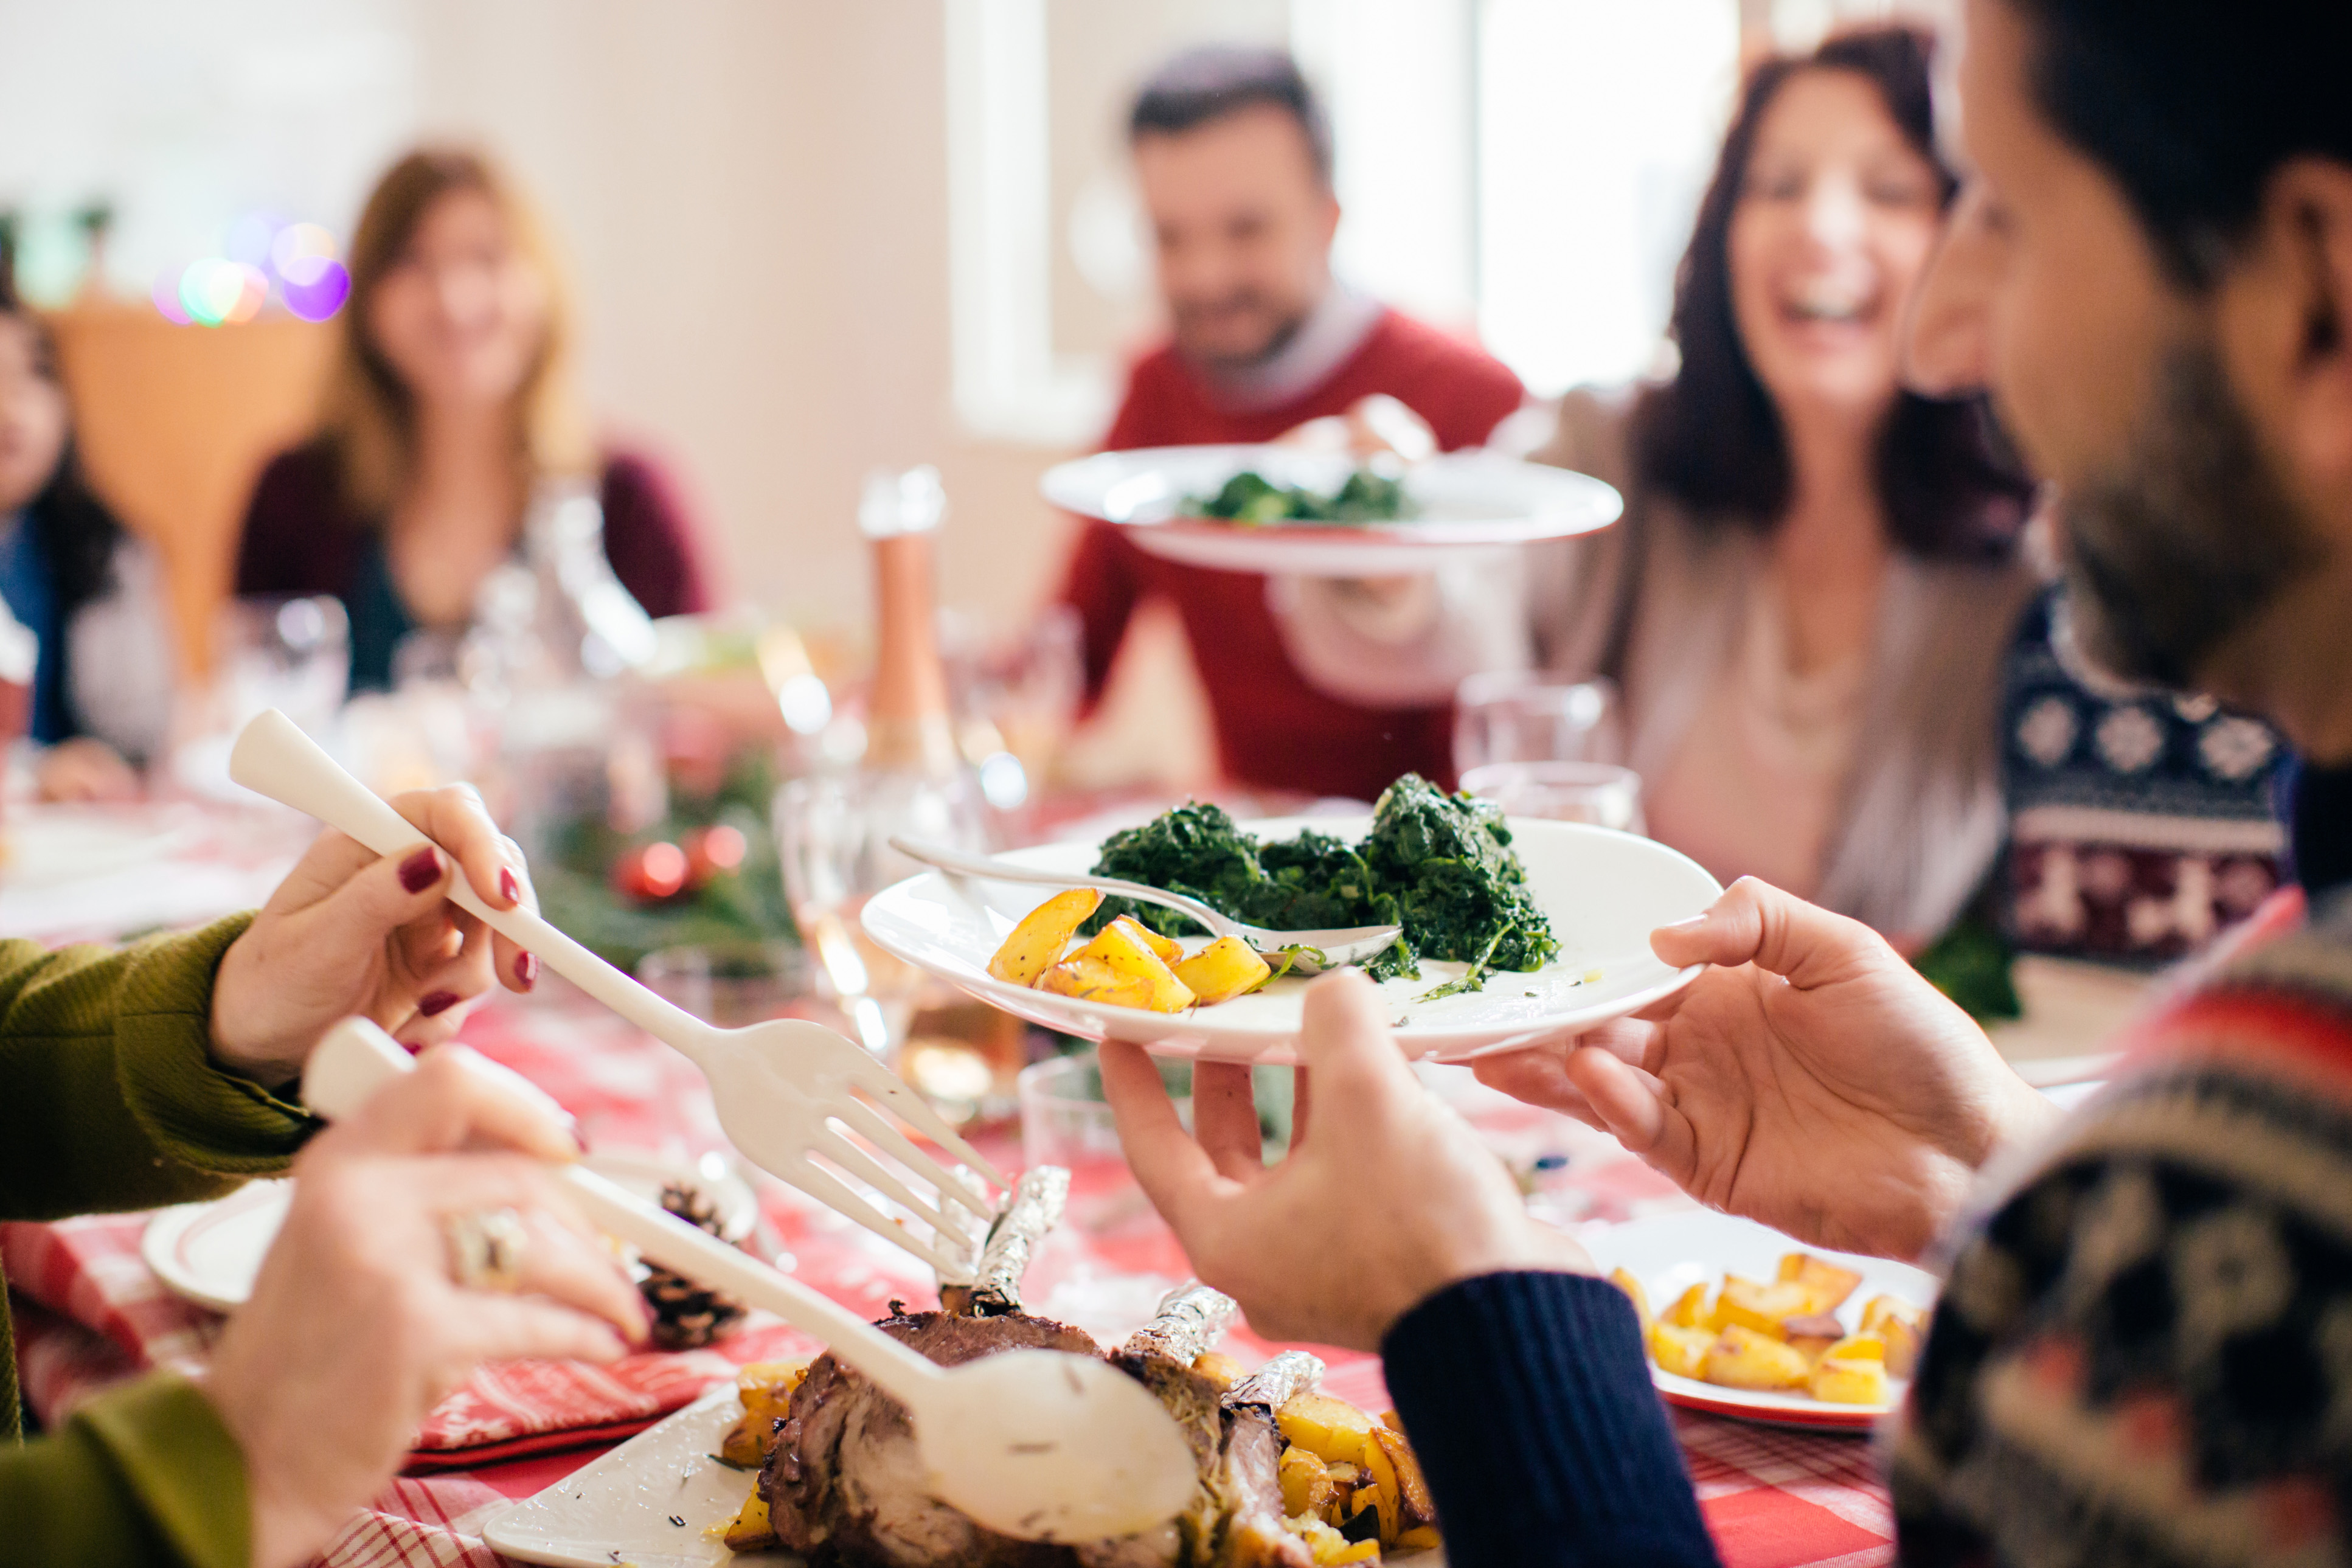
<point x="1439" y="865"/>
<point x="1252" y="500"/>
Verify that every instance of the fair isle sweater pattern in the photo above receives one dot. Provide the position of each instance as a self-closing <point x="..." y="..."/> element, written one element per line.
<point x="2145" y="1353"/>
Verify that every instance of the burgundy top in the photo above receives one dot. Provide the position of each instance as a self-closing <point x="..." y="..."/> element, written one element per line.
<point x="1272" y="729"/>
<point x="300" y="538"/>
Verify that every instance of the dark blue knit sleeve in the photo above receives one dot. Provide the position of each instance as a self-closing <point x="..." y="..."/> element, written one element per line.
<point x="1529" y="1401"/>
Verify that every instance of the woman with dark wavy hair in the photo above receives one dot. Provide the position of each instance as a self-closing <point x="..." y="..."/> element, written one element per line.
<point x="92" y="592"/>
<point x="1806" y="603"/>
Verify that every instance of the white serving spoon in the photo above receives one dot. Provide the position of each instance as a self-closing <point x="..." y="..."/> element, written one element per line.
<point x="1034" y="1444"/>
<point x="779" y="1086"/>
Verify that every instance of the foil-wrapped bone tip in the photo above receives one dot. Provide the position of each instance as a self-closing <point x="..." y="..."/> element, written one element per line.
<point x="1034" y="1207"/>
<point x="1276" y="1384"/>
<point x="1192" y="1319"/>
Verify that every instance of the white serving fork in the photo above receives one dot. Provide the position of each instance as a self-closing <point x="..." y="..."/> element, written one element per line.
<point x="787" y="1091"/>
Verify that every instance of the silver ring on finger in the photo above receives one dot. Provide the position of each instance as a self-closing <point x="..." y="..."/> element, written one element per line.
<point x="486" y="1248"/>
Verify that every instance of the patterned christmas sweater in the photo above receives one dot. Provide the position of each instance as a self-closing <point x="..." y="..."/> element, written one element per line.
<point x="2143" y="1353"/>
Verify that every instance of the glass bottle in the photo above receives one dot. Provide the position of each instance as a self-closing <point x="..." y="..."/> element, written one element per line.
<point x="554" y="647"/>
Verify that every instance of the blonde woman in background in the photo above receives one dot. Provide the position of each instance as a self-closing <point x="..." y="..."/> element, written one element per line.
<point x="451" y="393"/>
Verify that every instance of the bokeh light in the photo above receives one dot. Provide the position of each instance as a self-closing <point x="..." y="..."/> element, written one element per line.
<point x="167" y="297"/>
<point x="296" y="242"/>
<point x="216" y="292"/>
<point x="258" y="250"/>
<point x="252" y="237"/>
<point x="313" y="287"/>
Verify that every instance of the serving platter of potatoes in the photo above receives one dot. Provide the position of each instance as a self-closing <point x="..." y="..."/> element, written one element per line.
<point x="1740" y="1319"/>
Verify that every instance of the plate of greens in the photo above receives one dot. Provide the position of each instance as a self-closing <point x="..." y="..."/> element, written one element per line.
<point x="1517" y="931"/>
<point x="1326" y="514"/>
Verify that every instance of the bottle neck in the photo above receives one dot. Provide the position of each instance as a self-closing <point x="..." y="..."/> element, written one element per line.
<point x="907" y="722"/>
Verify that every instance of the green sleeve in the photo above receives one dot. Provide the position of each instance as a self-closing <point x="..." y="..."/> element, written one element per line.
<point x="113" y="1100"/>
<point x="143" y="1475"/>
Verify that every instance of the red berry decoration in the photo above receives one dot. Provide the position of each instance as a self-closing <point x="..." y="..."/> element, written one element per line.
<point x="651" y="872"/>
<point x="711" y="850"/>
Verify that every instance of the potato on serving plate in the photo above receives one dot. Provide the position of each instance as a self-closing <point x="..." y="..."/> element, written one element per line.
<point x="1226" y="968"/>
<point x="1035" y="942"/>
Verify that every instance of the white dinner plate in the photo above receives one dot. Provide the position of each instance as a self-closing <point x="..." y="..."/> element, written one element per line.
<point x="208" y="1253"/>
<point x="1604" y="893"/>
<point x="1669" y="1253"/>
<point x="658" y="1501"/>
<point x="1465" y="501"/>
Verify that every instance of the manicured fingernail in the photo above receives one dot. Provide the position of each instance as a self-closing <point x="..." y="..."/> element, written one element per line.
<point x="525" y="969"/>
<point x="511" y="886"/>
<point x="1692" y="923"/>
<point x="421" y="870"/>
<point x="438" y="1003"/>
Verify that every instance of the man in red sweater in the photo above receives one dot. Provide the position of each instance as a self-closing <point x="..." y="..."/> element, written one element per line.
<point x="1234" y="157"/>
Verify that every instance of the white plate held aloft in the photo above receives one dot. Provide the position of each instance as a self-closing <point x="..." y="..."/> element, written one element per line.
<point x="1461" y="502"/>
<point x="1603" y="892"/>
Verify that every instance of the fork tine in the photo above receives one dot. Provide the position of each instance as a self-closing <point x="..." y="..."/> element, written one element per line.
<point x="875" y="1128"/>
<point x="858" y="1164"/>
<point x="895" y="1092"/>
<point x="845" y="1201"/>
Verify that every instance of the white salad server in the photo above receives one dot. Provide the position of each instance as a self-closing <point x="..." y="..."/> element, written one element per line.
<point x="1036" y="1444"/>
<point x="779" y="1086"/>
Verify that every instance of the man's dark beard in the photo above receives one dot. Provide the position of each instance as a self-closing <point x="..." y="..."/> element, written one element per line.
<point x="2179" y="547"/>
<point x="1285" y="331"/>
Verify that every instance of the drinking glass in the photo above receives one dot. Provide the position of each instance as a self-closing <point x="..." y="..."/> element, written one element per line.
<point x="1599" y="793"/>
<point x="731" y="985"/>
<point x="1066" y="1122"/>
<point x="290" y="653"/>
<point x="833" y="838"/>
<point x="1525" y="716"/>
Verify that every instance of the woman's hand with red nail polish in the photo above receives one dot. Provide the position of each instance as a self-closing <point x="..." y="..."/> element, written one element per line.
<point x="351" y="932"/>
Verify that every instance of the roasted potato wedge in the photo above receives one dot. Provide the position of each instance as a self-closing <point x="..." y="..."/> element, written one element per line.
<point x="745" y="1445"/>
<point x="1420" y="1538"/>
<point x="1170" y="950"/>
<point x="1089" y="979"/>
<point x="1117" y="946"/>
<point x="1306" y="1486"/>
<point x="1226" y="968"/>
<point x="1385" y="1492"/>
<point x="1680" y="1351"/>
<point x="1829" y="1284"/>
<point x="1690" y="1309"/>
<point x="1035" y="944"/>
<point x="1812" y="1334"/>
<point x="749" y="1529"/>
<point x="1331" y="1429"/>
<point x="1840" y="1381"/>
<point x="1753" y="1304"/>
<point x="1414" y="1507"/>
<point x="1903" y="1341"/>
<point x="1220" y="1369"/>
<point x="1741" y="1357"/>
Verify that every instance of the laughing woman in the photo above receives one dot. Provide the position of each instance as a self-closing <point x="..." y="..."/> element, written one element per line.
<point x="1806" y="603"/>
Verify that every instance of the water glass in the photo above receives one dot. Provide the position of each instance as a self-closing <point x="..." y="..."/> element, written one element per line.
<point x="731" y="985"/>
<point x="1066" y="1122"/>
<point x="1525" y="716"/>
<point x="1599" y="793"/>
